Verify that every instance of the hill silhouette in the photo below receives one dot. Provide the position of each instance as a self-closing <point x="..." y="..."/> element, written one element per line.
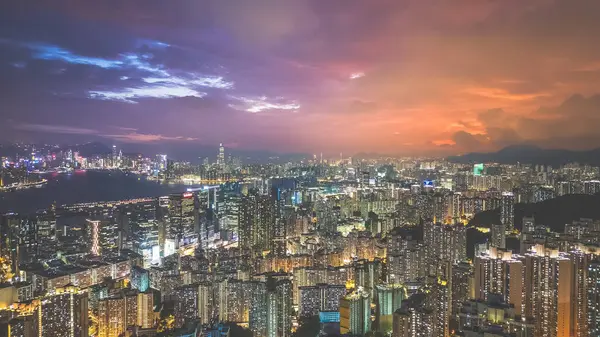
<point x="529" y="154"/>
<point x="553" y="213"/>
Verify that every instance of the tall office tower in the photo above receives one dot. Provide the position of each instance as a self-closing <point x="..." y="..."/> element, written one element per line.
<point x="181" y="218"/>
<point x="389" y="299"/>
<point x="414" y="318"/>
<point x="221" y="156"/>
<point x="93" y="227"/>
<point x="549" y="291"/>
<point x="63" y="313"/>
<point x="114" y="156"/>
<point x="271" y="309"/>
<point x="112" y="320"/>
<point x="161" y="162"/>
<point x="507" y="211"/>
<point x="462" y="286"/>
<point x="257" y="219"/>
<point x="229" y="216"/>
<point x="593" y="298"/>
<point x="498" y="237"/>
<point x="46" y="234"/>
<point x="499" y="272"/>
<point x="322" y="297"/>
<point x="355" y="313"/>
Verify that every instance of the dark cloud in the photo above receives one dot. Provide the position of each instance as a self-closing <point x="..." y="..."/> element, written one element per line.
<point x="571" y="124"/>
<point x="305" y="75"/>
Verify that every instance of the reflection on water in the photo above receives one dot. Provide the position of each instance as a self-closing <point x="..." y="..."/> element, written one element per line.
<point x="83" y="186"/>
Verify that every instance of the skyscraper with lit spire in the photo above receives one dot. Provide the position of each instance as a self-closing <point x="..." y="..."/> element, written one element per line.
<point x="221" y="157"/>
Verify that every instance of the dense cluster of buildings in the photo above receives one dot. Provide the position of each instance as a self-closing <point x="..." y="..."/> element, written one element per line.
<point x="364" y="246"/>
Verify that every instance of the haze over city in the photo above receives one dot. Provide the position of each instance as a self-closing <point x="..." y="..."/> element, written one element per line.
<point x="397" y="77"/>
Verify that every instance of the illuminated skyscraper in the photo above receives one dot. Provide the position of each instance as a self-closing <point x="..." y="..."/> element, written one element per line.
<point x="186" y="304"/>
<point x="257" y="317"/>
<point x="593" y="298"/>
<point x="221" y="156"/>
<point x="355" y="313"/>
<point x="257" y="220"/>
<point x="116" y="314"/>
<point x="206" y="302"/>
<point x="195" y="301"/>
<point x="462" y="285"/>
<point x="507" y="211"/>
<point x="321" y="297"/>
<point x="367" y="274"/>
<point x="63" y="313"/>
<point x="94" y="235"/>
<point x="229" y="215"/>
<point x="234" y="299"/>
<point x="181" y="219"/>
<point x="445" y="245"/>
<point x="23" y="326"/>
<point x="389" y="299"/>
<point x="498" y="237"/>
<point x="414" y="318"/>
<point x="438" y="299"/>
<point x="407" y="266"/>
<point x="549" y="291"/>
<point x="145" y="310"/>
<point x="114" y="156"/>
<point x="112" y="320"/>
<point x="500" y="272"/>
<point x="140" y="278"/>
<point x="271" y="309"/>
<point x="278" y="244"/>
<point x="161" y="162"/>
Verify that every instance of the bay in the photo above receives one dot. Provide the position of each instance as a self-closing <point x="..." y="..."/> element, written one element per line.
<point x="85" y="186"/>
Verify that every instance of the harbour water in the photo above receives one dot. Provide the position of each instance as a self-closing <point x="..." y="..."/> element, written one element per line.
<point x="84" y="186"/>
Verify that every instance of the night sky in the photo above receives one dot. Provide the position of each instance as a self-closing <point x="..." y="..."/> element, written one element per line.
<point x="397" y="76"/>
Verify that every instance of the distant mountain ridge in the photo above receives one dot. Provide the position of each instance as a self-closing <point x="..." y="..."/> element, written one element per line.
<point x="529" y="154"/>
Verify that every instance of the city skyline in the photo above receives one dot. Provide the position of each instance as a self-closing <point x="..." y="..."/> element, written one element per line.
<point x="300" y="168"/>
<point x="393" y="77"/>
